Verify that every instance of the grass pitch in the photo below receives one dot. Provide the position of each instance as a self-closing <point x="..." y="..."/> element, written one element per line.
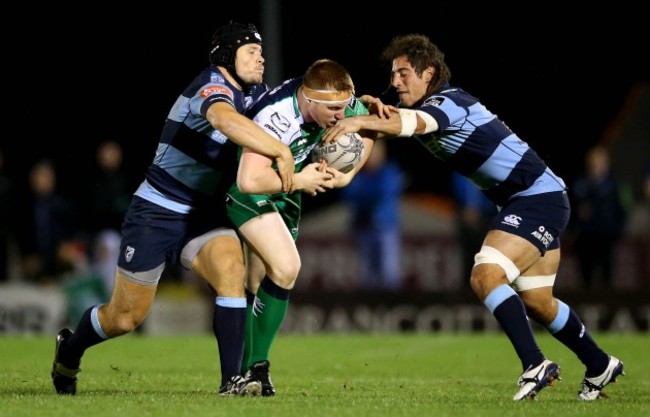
<point x="318" y="375"/>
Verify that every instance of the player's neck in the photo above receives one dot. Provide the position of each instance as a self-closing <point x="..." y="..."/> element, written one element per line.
<point x="303" y="106"/>
<point x="230" y="78"/>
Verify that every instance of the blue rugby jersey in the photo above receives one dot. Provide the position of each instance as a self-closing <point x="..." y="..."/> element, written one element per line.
<point x="193" y="161"/>
<point x="474" y="142"/>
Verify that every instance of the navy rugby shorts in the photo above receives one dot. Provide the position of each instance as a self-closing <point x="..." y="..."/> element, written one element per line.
<point x="152" y="235"/>
<point x="540" y="219"/>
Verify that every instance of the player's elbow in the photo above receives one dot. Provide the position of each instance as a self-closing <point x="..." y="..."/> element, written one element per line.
<point x="247" y="185"/>
<point x="254" y="184"/>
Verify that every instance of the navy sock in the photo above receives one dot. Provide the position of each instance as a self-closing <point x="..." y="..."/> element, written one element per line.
<point x="571" y="332"/>
<point x="250" y="298"/>
<point x="510" y="312"/>
<point x="248" y="338"/>
<point x="228" y="325"/>
<point x="83" y="337"/>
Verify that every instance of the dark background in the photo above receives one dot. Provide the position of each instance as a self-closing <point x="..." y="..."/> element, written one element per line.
<point x="80" y="75"/>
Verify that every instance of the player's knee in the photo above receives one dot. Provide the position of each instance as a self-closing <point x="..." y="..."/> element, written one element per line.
<point x="478" y="281"/>
<point x="485" y="278"/>
<point x="475" y="282"/>
<point x="127" y="325"/>
<point x="285" y="275"/>
<point x="121" y="324"/>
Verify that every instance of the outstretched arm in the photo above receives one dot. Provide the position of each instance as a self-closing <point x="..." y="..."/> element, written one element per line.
<point x="389" y="121"/>
<point x="389" y="126"/>
<point x="376" y="106"/>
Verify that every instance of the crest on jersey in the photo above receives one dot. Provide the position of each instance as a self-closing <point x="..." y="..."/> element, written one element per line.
<point x="217" y="78"/>
<point x="128" y="254"/>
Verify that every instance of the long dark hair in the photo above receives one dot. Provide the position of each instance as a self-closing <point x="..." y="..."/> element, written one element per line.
<point x="422" y="54"/>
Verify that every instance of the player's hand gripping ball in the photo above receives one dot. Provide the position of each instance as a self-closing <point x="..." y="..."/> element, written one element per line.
<point x="344" y="154"/>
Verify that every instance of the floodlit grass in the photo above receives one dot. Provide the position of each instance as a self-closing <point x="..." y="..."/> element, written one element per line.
<point x="318" y="375"/>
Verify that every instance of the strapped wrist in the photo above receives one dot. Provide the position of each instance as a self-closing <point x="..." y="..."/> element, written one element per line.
<point x="409" y="122"/>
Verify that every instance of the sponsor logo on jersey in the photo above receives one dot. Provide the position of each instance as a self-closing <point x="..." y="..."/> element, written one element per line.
<point x="272" y="129"/>
<point x="217" y="78"/>
<point x="300" y="154"/>
<point x="543" y="236"/>
<point x="434" y="101"/>
<point x="216" y="89"/>
<point x="512" y="220"/>
<point x="280" y="122"/>
<point x="218" y="137"/>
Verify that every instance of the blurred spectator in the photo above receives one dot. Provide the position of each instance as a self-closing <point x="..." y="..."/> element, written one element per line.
<point x="45" y="220"/>
<point x="5" y="218"/>
<point x="110" y="192"/>
<point x="474" y="212"/>
<point x="105" y="253"/>
<point x="638" y="223"/>
<point x="601" y="202"/>
<point x="82" y="286"/>
<point x="108" y="199"/>
<point x="374" y="199"/>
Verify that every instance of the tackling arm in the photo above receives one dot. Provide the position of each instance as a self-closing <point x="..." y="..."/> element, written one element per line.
<point x="401" y="123"/>
<point x="246" y="133"/>
<point x="256" y="175"/>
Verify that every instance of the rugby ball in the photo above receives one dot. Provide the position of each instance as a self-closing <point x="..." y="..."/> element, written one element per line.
<point x="344" y="154"/>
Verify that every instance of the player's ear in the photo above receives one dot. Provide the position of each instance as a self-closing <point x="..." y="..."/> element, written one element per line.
<point x="428" y="73"/>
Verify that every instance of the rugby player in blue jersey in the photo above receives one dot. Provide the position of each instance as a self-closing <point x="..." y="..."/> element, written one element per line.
<point x="515" y="269"/>
<point x="178" y="214"/>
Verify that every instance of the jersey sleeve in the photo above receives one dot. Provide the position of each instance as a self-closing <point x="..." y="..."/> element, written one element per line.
<point x="355" y="108"/>
<point x="210" y="94"/>
<point x="443" y="110"/>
